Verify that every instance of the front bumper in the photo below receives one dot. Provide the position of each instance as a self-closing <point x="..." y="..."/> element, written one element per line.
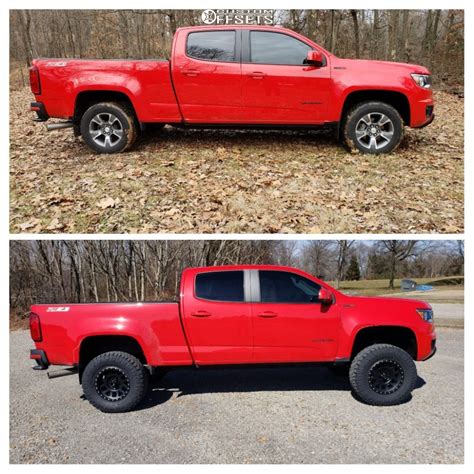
<point x="422" y="110"/>
<point x="39" y="356"/>
<point x="430" y="120"/>
<point x="433" y="350"/>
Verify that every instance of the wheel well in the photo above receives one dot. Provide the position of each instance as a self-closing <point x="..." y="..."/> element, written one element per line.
<point x="401" y="337"/>
<point x="95" y="345"/>
<point x="397" y="100"/>
<point x="87" y="98"/>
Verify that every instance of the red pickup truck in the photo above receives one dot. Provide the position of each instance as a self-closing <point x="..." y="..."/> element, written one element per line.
<point x="234" y="76"/>
<point x="237" y="315"/>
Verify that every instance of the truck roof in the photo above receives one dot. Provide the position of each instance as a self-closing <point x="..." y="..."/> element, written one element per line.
<point x="243" y="267"/>
<point x="237" y="27"/>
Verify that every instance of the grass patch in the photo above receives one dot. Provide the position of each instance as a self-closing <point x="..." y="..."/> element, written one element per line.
<point x="381" y="287"/>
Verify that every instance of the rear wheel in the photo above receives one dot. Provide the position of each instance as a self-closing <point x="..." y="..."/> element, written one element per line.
<point x="383" y="374"/>
<point x="373" y="127"/>
<point x="109" y="127"/>
<point x="115" y="382"/>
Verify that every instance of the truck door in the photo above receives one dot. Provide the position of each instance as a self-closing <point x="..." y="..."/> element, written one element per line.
<point x="277" y="87"/>
<point x="207" y="76"/>
<point x="289" y="323"/>
<point x="217" y="318"/>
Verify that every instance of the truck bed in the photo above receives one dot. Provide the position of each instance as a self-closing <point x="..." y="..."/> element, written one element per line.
<point x="149" y="82"/>
<point x="155" y="326"/>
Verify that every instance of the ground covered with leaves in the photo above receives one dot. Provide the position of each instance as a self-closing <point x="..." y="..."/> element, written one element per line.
<point x="236" y="181"/>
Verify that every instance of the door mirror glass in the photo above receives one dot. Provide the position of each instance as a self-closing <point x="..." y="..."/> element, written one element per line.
<point x="314" y="58"/>
<point x="325" y="296"/>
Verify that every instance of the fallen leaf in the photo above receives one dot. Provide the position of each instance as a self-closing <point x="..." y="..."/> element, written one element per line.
<point x="107" y="202"/>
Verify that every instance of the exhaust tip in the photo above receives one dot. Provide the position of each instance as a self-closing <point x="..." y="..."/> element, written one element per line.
<point x="58" y="126"/>
<point x="62" y="372"/>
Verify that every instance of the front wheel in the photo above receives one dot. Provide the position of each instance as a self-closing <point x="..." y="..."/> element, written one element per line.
<point x="109" y="127"/>
<point x="383" y="374"/>
<point x="373" y="127"/>
<point x="115" y="382"/>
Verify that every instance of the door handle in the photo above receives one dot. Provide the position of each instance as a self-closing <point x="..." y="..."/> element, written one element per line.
<point x="201" y="314"/>
<point x="267" y="314"/>
<point x="189" y="72"/>
<point x="256" y="75"/>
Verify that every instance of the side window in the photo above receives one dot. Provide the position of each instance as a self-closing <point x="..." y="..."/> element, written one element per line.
<point x="220" y="286"/>
<point x="285" y="287"/>
<point x="276" y="48"/>
<point x="211" y="45"/>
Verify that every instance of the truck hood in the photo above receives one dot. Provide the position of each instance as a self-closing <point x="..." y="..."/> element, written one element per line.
<point x="388" y="301"/>
<point x="383" y="310"/>
<point x="389" y="65"/>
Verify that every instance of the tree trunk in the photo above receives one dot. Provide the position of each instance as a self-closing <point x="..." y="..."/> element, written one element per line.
<point x="355" y="22"/>
<point x="403" y="52"/>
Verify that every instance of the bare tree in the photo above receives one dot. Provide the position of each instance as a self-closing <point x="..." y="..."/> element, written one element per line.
<point x="398" y="250"/>
<point x="93" y="271"/>
<point x="431" y="37"/>
<point x="343" y="247"/>
<point x="355" y="21"/>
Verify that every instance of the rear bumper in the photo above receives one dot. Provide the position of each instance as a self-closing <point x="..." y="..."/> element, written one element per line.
<point x="40" y="110"/>
<point x="39" y="356"/>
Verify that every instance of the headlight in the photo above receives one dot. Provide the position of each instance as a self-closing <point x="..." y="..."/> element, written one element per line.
<point x="423" y="80"/>
<point x="426" y="314"/>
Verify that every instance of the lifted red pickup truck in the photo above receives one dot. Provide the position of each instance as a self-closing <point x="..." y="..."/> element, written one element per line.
<point x="234" y="315"/>
<point x="234" y="76"/>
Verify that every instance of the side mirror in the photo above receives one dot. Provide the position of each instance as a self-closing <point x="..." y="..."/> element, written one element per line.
<point x="314" y="58"/>
<point x="325" y="296"/>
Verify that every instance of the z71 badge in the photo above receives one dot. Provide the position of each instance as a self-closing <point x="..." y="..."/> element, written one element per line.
<point x="56" y="64"/>
<point x="57" y="309"/>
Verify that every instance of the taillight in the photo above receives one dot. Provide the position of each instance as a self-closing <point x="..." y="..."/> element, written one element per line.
<point x="35" y="80"/>
<point x="35" y="327"/>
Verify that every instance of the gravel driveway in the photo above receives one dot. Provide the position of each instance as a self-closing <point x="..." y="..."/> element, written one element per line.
<point x="279" y="415"/>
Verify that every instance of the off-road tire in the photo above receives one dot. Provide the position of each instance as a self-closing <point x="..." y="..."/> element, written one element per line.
<point x="353" y="117"/>
<point x="363" y="365"/>
<point x="126" y="118"/>
<point x="127" y="366"/>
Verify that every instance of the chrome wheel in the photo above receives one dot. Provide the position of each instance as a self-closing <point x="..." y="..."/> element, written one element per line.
<point x="386" y="376"/>
<point x="112" y="384"/>
<point x="374" y="131"/>
<point x="106" y="130"/>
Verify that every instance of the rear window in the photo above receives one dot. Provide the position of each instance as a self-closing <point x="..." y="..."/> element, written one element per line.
<point x="220" y="286"/>
<point x="211" y="45"/>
